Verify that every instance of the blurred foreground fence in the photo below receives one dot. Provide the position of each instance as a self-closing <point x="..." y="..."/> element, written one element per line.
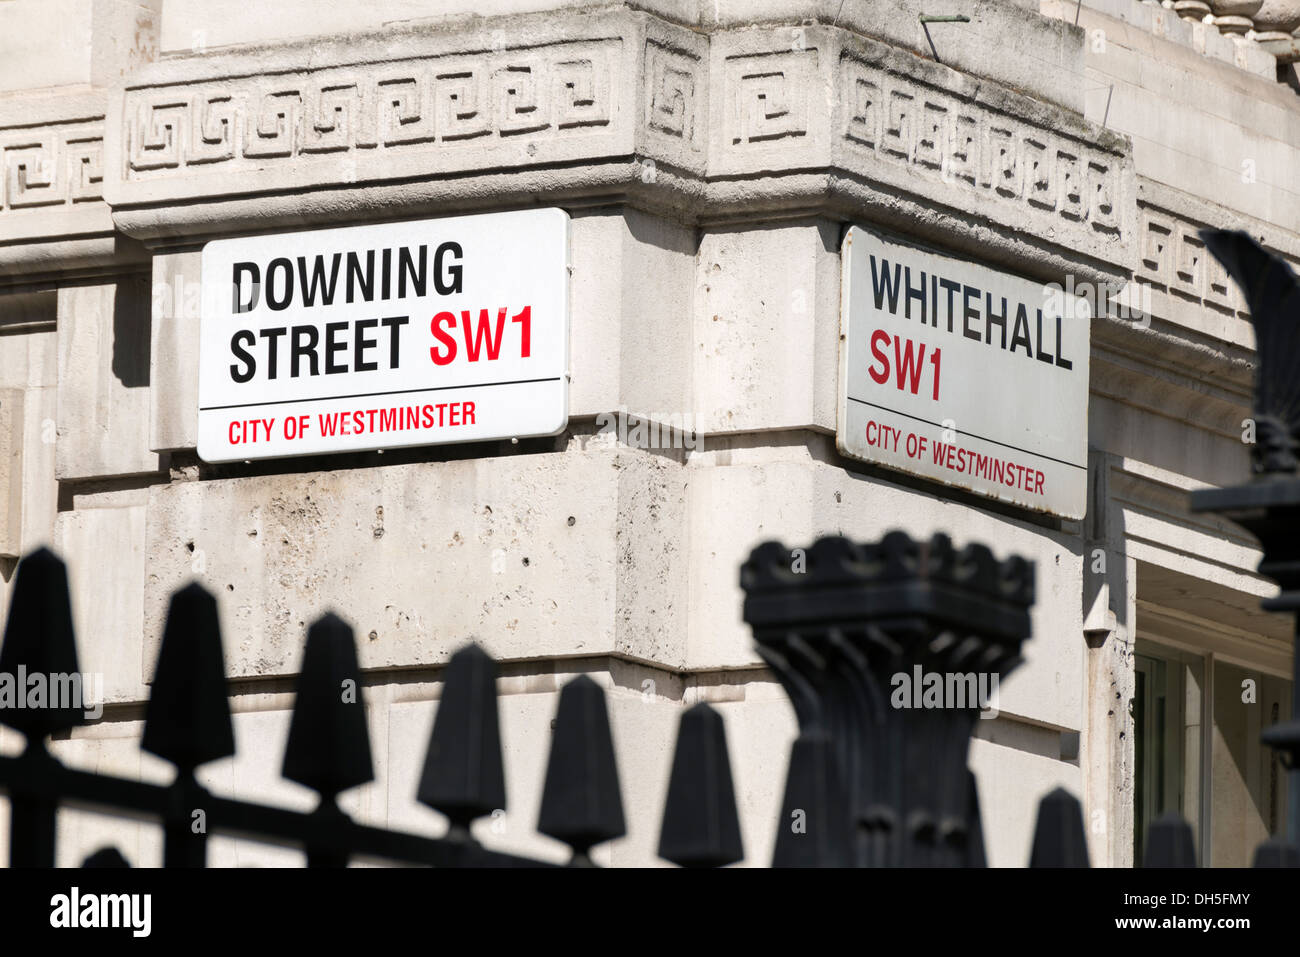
<point x="869" y="784"/>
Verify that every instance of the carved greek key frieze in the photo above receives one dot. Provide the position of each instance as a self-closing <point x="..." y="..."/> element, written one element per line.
<point x="51" y="166"/>
<point x="767" y="96"/>
<point x="1172" y="256"/>
<point x="430" y="103"/>
<point x="675" y="86"/>
<point x="938" y="134"/>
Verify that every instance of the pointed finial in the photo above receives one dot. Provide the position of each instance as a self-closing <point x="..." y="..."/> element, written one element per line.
<point x="815" y="829"/>
<point x="329" y="746"/>
<point x="581" y="804"/>
<point x="463" y="776"/>
<point x="701" y="827"/>
<point x="106" y="857"/>
<point x="1169" y="843"/>
<point x="1276" y="852"/>
<point x="1058" y="837"/>
<point x="39" y="641"/>
<point x="187" y="721"/>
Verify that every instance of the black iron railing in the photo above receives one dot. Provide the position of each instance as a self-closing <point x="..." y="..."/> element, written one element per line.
<point x="869" y="783"/>
<point x="1268" y="506"/>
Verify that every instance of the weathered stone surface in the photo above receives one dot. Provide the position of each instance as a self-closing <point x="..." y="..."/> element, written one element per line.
<point x="626" y="584"/>
<point x="1015" y="765"/>
<point x="52" y="213"/>
<point x="767" y="339"/>
<point x="421" y="558"/>
<point x="1158" y="20"/>
<point x="103" y="419"/>
<point x="28" y="396"/>
<point x="196" y="26"/>
<point x="108" y="596"/>
<point x="174" y="351"/>
<point x="11" y="472"/>
<point x="94" y="43"/>
<point x="632" y="285"/>
<point x="341" y="110"/>
<point x="1203" y="127"/>
<point x="741" y="494"/>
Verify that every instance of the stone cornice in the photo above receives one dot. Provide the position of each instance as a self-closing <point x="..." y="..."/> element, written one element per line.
<point x="52" y="213"/>
<point x="1214" y="400"/>
<point x="1190" y="287"/>
<point x="1195" y="359"/>
<point x="615" y="107"/>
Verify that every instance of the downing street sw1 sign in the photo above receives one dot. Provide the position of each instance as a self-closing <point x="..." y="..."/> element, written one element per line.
<point x="382" y="336"/>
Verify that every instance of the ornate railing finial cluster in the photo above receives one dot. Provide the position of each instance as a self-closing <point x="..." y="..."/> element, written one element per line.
<point x="850" y="629"/>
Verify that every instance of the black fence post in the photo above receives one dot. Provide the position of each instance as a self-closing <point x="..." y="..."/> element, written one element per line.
<point x="1269" y="505"/>
<point x="329" y="743"/>
<point x="464" y="777"/>
<point x="187" y="721"/>
<point x="1058" y="836"/>
<point x="38" y="644"/>
<point x="581" y="803"/>
<point x="847" y="627"/>
<point x="701" y="827"/>
<point x="1170" y="843"/>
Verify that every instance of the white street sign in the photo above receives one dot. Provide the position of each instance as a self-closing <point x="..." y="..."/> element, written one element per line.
<point x="382" y="336"/>
<point x="963" y="374"/>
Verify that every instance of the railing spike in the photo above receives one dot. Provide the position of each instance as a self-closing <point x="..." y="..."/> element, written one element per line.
<point x="187" y="720"/>
<point x="1169" y="843"/>
<point x="106" y="857"/>
<point x="815" y="825"/>
<point x="701" y="827"/>
<point x="1058" y="836"/>
<point x="464" y="776"/>
<point x="581" y="804"/>
<point x="329" y="745"/>
<point x="1276" y="852"/>
<point x="39" y="640"/>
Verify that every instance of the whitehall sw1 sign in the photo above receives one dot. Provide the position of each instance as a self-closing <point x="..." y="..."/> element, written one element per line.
<point x="376" y="337"/>
<point x="963" y="374"/>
